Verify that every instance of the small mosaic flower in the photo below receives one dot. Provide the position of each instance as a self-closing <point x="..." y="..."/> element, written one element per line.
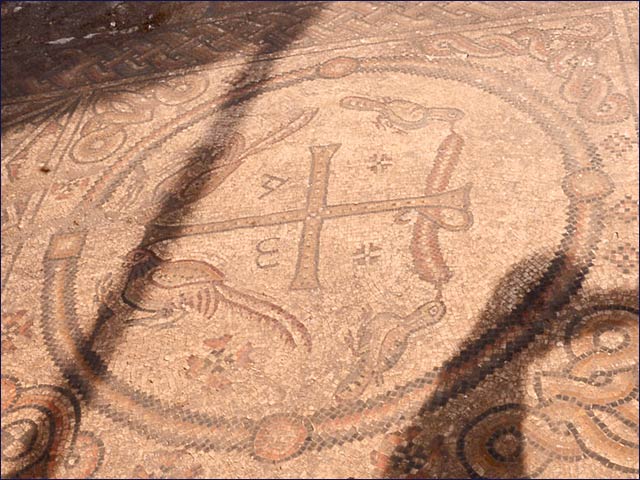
<point x="625" y="256"/>
<point x="626" y="210"/>
<point x="215" y="370"/>
<point x="617" y="145"/>
<point x="15" y="325"/>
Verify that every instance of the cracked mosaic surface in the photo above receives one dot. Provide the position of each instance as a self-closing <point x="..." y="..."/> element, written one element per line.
<point x="322" y="239"/>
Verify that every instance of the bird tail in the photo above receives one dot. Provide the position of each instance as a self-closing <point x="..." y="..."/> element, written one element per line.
<point x="104" y="291"/>
<point x="267" y="311"/>
<point x="357" y="381"/>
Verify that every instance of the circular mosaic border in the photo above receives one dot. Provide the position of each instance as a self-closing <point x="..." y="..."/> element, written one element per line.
<point x="585" y="185"/>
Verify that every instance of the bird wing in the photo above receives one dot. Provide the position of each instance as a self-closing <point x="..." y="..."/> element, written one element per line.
<point x="406" y="111"/>
<point x="392" y="348"/>
<point x="362" y="104"/>
<point x="365" y="337"/>
<point x="180" y="273"/>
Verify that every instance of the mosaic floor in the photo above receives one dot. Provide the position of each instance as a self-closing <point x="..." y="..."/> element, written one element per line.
<point x="321" y="239"/>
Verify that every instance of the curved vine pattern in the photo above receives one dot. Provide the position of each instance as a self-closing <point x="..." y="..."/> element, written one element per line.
<point x="105" y="133"/>
<point x="41" y="434"/>
<point x="181" y="89"/>
<point x="567" y="52"/>
<point x="588" y="409"/>
<point x="493" y="442"/>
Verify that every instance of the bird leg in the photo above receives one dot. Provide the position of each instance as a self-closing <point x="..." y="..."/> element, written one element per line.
<point x="348" y="338"/>
<point x="379" y="378"/>
<point x="383" y="123"/>
<point x="162" y="314"/>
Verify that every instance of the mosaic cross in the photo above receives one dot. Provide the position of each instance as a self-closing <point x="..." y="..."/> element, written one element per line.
<point x="315" y="213"/>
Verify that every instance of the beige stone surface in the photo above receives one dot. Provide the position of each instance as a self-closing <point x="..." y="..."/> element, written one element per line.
<point x="323" y="239"/>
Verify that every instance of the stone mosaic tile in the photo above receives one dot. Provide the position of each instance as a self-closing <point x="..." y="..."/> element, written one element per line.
<point x="323" y="239"/>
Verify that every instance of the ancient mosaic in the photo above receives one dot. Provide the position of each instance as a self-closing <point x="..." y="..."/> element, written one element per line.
<point x="314" y="239"/>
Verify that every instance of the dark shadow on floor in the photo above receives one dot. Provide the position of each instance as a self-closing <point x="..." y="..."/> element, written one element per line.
<point x="110" y="42"/>
<point x="98" y="346"/>
<point x="485" y="417"/>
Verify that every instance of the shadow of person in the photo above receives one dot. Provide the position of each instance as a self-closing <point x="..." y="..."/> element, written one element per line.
<point x="85" y="371"/>
<point x="532" y="385"/>
<point x="204" y="171"/>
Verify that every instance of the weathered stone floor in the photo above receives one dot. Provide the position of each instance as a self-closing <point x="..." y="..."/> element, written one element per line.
<point x="320" y="239"/>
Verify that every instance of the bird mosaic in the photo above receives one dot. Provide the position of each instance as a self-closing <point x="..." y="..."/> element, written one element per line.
<point x="400" y="115"/>
<point x="165" y="291"/>
<point x="382" y="340"/>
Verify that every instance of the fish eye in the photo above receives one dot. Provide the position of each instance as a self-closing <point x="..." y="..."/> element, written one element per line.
<point x="433" y="311"/>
